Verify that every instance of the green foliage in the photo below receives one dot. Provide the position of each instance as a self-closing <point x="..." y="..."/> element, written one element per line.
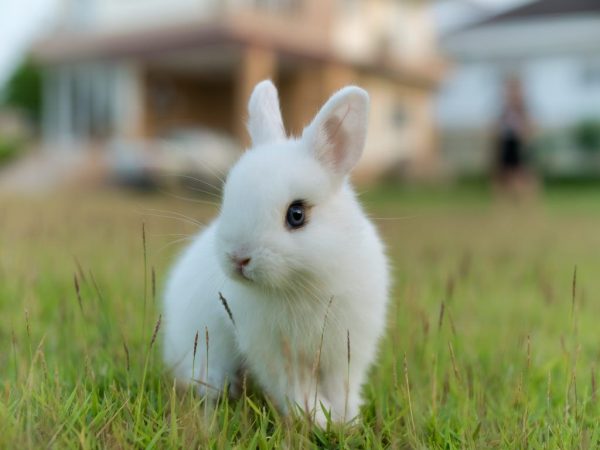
<point x="9" y="148"/>
<point x="24" y="91"/>
<point x="492" y="342"/>
<point x="587" y="135"/>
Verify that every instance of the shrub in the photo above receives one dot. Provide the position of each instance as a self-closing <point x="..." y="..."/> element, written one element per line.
<point x="23" y="92"/>
<point x="586" y="135"/>
<point x="9" y="148"/>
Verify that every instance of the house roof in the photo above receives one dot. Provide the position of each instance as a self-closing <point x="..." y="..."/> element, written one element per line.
<point x="543" y="9"/>
<point x="542" y="27"/>
<point x="67" y="47"/>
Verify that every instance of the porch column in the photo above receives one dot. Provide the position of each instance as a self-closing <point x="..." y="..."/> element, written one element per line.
<point x="426" y="163"/>
<point x="129" y="103"/>
<point x="256" y="64"/>
<point x="305" y="95"/>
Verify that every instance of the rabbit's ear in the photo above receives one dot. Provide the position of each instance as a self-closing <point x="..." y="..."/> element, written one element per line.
<point x="264" y="117"/>
<point x="337" y="134"/>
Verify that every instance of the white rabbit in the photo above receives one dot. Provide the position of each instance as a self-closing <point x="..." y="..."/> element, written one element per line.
<point x="300" y="267"/>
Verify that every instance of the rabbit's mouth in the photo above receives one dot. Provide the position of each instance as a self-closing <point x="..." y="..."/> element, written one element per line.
<point x="239" y="267"/>
<point x="241" y="273"/>
<point x="254" y="267"/>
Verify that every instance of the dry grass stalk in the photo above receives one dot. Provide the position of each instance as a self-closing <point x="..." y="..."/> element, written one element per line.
<point x="434" y="384"/>
<point x="195" y="350"/>
<point x="156" y="328"/>
<point x="126" y="354"/>
<point x="452" y="327"/>
<point x="78" y="292"/>
<point x="454" y="366"/>
<point x="347" y="386"/>
<point x="153" y="286"/>
<point x="441" y="317"/>
<point x="194" y="354"/>
<point x="226" y="306"/>
<point x="410" y="408"/>
<point x="574" y="382"/>
<point x="95" y="284"/>
<point x="15" y="357"/>
<point x="593" y="385"/>
<point x="528" y="351"/>
<point x="450" y="285"/>
<point x="205" y="384"/>
<point x="317" y="361"/>
<point x="28" y="329"/>
<point x="80" y="269"/>
<point x="549" y="390"/>
<point x="145" y="274"/>
<point x="573" y="291"/>
<point x="207" y="343"/>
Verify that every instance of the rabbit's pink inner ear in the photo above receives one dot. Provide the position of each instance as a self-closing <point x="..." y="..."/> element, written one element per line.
<point x="338" y="133"/>
<point x="336" y="141"/>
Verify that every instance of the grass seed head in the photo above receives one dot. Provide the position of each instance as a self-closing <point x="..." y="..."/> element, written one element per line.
<point x="441" y="316"/>
<point x="156" y="328"/>
<point x="195" y="344"/>
<point x="78" y="292"/>
<point x="153" y="285"/>
<point x="226" y="306"/>
<point x="126" y="354"/>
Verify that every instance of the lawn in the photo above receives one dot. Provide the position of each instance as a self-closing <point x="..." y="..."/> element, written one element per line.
<point x="493" y="337"/>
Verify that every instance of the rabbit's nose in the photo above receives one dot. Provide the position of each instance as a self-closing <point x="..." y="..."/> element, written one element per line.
<point x="240" y="261"/>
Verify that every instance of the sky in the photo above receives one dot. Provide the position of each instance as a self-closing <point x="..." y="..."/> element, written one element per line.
<point x="21" y="21"/>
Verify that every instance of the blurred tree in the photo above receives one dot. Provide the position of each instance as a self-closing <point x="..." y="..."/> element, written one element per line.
<point x="587" y="135"/>
<point x="23" y="91"/>
<point x="9" y="149"/>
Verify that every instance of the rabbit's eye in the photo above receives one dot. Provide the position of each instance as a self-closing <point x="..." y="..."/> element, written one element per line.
<point x="296" y="215"/>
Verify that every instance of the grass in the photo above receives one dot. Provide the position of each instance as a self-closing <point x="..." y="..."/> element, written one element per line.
<point x="492" y="341"/>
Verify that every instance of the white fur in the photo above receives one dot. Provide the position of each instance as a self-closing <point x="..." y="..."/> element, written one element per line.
<point x="334" y="266"/>
<point x="265" y="124"/>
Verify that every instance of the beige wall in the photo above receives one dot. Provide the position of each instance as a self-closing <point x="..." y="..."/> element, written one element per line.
<point x="401" y="130"/>
<point x="304" y="90"/>
<point x="401" y="31"/>
<point x="255" y="64"/>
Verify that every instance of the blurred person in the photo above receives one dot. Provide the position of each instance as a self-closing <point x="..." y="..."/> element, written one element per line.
<point x="512" y="137"/>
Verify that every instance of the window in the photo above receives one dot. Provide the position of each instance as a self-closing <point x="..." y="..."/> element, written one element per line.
<point x="279" y="6"/>
<point x="399" y="115"/>
<point x="590" y="73"/>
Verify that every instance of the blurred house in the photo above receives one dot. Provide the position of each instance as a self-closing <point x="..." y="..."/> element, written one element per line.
<point x="553" y="47"/>
<point x="141" y="71"/>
